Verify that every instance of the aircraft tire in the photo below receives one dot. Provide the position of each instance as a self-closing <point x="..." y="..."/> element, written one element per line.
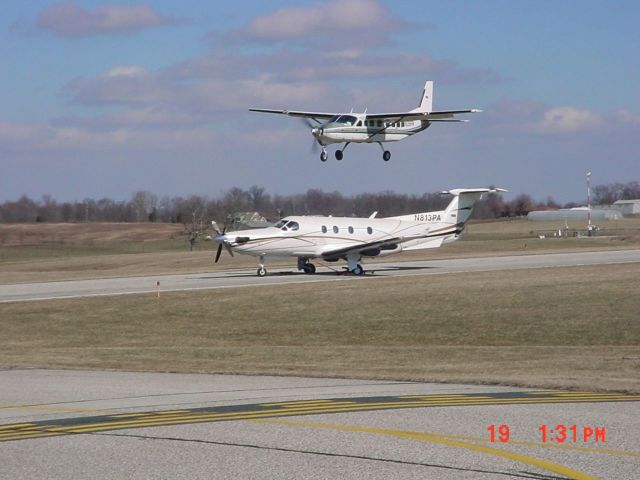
<point x="323" y="157"/>
<point x="358" y="270"/>
<point x="386" y="156"/>
<point x="339" y="155"/>
<point x="262" y="272"/>
<point x="309" y="268"/>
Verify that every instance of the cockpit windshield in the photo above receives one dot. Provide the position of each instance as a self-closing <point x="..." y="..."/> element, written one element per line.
<point x="286" y="224"/>
<point x="281" y="223"/>
<point x="346" y="119"/>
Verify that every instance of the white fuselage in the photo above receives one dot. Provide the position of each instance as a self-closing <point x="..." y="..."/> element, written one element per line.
<point x="356" y="128"/>
<point x="313" y="237"/>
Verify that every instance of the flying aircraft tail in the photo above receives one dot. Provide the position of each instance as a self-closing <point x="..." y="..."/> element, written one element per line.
<point x="426" y="101"/>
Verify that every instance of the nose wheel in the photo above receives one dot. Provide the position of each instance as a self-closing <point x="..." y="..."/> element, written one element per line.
<point x="386" y="156"/>
<point x="324" y="156"/>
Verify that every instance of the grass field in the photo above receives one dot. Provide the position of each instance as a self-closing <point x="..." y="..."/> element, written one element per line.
<point x="573" y="327"/>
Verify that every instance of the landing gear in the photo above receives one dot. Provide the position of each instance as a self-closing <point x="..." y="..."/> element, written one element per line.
<point x="353" y="266"/>
<point x="340" y="153"/>
<point x="386" y="154"/>
<point x="305" y="266"/>
<point x="323" y="155"/>
<point x="262" y="272"/>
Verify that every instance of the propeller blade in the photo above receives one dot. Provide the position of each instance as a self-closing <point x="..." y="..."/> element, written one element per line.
<point x="228" y="248"/>
<point x="218" y="253"/>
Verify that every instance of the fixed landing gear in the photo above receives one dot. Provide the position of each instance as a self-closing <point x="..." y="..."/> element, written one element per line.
<point x="323" y="155"/>
<point x="305" y="266"/>
<point x="386" y="154"/>
<point x="340" y="153"/>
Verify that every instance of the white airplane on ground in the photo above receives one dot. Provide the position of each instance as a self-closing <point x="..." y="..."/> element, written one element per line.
<point x="371" y="127"/>
<point x="345" y="238"/>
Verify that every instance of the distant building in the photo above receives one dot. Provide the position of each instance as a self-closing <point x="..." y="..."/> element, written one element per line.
<point x="628" y="207"/>
<point x="580" y="213"/>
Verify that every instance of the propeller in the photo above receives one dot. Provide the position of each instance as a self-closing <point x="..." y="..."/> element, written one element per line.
<point x="222" y="241"/>
<point x="314" y="142"/>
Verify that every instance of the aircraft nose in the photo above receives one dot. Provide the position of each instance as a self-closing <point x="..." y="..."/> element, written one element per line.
<point x="317" y="132"/>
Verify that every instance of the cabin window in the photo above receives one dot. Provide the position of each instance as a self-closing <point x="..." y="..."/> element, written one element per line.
<point x="293" y="225"/>
<point x="369" y="230"/>
<point x="402" y="124"/>
<point x="379" y="123"/>
<point x="359" y="124"/>
<point x="350" y="229"/>
<point x="335" y="229"/>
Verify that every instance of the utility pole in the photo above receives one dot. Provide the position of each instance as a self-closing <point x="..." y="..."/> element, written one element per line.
<point x="589" y="227"/>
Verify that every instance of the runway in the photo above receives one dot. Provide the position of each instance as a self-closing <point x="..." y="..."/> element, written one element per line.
<point x="282" y="276"/>
<point x="58" y="424"/>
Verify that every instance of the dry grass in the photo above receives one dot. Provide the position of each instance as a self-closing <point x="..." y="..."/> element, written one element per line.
<point x="562" y="327"/>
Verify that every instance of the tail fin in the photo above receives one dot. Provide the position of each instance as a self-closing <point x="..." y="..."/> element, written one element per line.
<point x="459" y="209"/>
<point x="426" y="101"/>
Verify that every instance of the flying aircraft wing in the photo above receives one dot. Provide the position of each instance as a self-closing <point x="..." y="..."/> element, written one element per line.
<point x="295" y="113"/>
<point x="439" y="116"/>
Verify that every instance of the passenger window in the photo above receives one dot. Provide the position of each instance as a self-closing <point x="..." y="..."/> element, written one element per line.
<point x="324" y="229"/>
<point x="379" y="123"/>
<point x="293" y="225"/>
<point x="350" y="229"/>
<point x="369" y="230"/>
<point x="335" y="229"/>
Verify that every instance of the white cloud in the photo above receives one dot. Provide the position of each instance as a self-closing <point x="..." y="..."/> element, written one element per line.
<point x="337" y="23"/>
<point x="568" y="120"/>
<point x="67" y="19"/>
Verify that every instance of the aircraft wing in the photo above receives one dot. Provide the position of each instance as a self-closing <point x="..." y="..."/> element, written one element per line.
<point x="295" y="113"/>
<point x="439" y="116"/>
<point x="338" y="252"/>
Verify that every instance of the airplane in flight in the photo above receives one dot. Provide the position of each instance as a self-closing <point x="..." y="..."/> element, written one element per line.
<point x="366" y="127"/>
<point x="331" y="239"/>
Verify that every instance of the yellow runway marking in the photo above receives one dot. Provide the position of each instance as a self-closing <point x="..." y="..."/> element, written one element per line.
<point x="105" y="422"/>
<point x="433" y="438"/>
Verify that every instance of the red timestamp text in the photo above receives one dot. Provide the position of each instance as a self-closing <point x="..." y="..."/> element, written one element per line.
<point x="572" y="434"/>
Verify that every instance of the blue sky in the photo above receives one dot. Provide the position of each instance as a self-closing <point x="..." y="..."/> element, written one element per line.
<point x="103" y="99"/>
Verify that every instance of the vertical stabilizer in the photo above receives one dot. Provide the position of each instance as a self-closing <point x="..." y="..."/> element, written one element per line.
<point x="426" y="101"/>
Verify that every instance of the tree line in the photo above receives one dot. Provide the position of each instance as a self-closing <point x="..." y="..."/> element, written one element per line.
<point x="145" y="206"/>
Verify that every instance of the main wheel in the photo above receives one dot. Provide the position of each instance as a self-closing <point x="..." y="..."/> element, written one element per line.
<point x="309" y="268"/>
<point x="262" y="272"/>
<point x="358" y="270"/>
<point x="323" y="156"/>
<point x="338" y="154"/>
<point x="386" y="156"/>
